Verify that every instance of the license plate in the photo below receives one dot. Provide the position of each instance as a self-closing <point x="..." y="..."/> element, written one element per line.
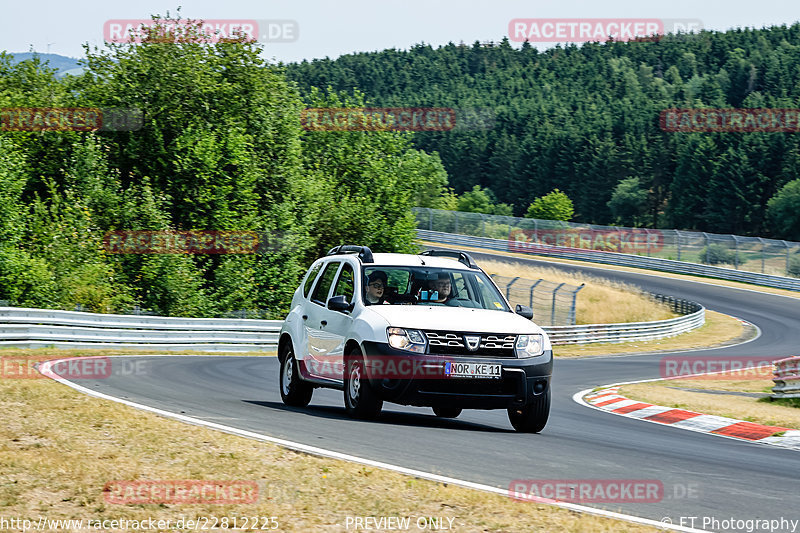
<point x="472" y="370"/>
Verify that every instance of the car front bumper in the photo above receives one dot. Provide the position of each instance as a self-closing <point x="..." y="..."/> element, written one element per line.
<point x="410" y="379"/>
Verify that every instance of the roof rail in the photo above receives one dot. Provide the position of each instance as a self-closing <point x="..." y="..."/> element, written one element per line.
<point x="364" y="253"/>
<point x="462" y="257"/>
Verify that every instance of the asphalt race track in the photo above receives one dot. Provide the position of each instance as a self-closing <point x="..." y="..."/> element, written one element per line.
<point x="703" y="475"/>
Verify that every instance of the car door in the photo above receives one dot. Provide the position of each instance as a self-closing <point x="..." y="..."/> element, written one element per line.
<point x="297" y="319"/>
<point x="337" y="324"/>
<point x="320" y="341"/>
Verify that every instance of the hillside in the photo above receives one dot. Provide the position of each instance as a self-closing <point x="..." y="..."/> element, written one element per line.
<point x="585" y="119"/>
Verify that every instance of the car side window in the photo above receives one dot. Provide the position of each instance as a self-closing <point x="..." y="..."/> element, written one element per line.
<point x="460" y="287"/>
<point x="320" y="294"/>
<point x="345" y="285"/>
<point x="312" y="275"/>
<point x="491" y="300"/>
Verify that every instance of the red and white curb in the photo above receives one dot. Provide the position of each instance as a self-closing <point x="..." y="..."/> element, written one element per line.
<point x="609" y="399"/>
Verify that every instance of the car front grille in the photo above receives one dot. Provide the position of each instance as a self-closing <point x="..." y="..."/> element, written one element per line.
<point x="454" y="343"/>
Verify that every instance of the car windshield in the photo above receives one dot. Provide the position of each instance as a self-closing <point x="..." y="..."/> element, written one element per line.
<point x="401" y="285"/>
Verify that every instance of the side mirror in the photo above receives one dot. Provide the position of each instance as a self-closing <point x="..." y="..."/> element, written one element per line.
<point x="339" y="303"/>
<point x="525" y="311"/>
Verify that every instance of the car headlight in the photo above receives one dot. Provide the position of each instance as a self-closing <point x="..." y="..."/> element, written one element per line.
<point x="529" y="345"/>
<point x="410" y="340"/>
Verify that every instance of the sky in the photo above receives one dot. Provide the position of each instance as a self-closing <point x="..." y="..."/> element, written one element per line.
<point x="327" y="28"/>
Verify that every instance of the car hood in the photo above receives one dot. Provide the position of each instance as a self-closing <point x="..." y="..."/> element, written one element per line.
<point x="454" y="319"/>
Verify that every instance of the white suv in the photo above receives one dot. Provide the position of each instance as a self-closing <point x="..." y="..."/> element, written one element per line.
<point x="427" y="330"/>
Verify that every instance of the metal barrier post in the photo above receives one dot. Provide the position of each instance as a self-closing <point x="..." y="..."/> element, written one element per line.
<point x="508" y="287"/>
<point x="553" y="307"/>
<point x="530" y="300"/>
<point x="571" y="318"/>
<point x="786" y="244"/>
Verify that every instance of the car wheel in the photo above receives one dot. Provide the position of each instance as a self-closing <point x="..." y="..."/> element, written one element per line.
<point x="532" y="417"/>
<point x="360" y="400"/>
<point x="446" y="412"/>
<point x="294" y="391"/>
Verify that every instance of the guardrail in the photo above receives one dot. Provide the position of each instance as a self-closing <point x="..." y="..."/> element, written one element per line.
<point x="611" y="258"/>
<point x="39" y="328"/>
<point x="629" y="332"/>
<point x="786" y="376"/>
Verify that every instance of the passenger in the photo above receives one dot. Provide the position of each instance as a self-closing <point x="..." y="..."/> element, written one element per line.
<point x="376" y="288"/>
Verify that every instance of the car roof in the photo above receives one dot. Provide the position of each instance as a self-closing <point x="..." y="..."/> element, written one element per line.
<point x="381" y="259"/>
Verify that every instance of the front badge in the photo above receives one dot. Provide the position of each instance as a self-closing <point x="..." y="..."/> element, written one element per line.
<point x="473" y="341"/>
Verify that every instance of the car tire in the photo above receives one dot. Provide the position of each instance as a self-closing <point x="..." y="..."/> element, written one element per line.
<point x="531" y="418"/>
<point x="446" y="412"/>
<point x="294" y="391"/>
<point x="360" y="400"/>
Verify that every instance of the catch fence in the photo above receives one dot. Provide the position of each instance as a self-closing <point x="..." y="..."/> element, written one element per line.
<point x="749" y="254"/>
<point x="553" y="303"/>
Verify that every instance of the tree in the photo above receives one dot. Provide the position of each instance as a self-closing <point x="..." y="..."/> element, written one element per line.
<point x="359" y="186"/>
<point x="628" y="202"/>
<point x="553" y="206"/>
<point x="475" y="201"/>
<point x="783" y="211"/>
<point x="696" y="164"/>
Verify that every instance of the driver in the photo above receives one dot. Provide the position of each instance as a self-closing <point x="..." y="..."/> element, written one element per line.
<point x="443" y="286"/>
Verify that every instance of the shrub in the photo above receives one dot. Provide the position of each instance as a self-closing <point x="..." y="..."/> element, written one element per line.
<point x="794" y="266"/>
<point x="715" y="254"/>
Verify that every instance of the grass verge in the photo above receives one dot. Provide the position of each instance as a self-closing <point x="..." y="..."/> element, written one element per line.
<point x="601" y="301"/>
<point x="669" y="393"/>
<point x="59" y="448"/>
<point x="718" y="330"/>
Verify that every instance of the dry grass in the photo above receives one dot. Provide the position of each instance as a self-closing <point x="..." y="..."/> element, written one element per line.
<point x="710" y="281"/>
<point x="732" y="406"/>
<point x="58" y="448"/>
<point x="718" y="329"/>
<point x="601" y="301"/>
